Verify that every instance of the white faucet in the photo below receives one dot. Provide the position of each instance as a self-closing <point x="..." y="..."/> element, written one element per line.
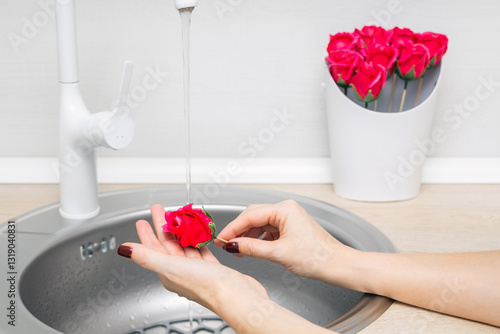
<point x="80" y="132"/>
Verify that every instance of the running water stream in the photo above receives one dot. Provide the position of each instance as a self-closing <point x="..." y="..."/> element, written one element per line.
<point x="186" y="27"/>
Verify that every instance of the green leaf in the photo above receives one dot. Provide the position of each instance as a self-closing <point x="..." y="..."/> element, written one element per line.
<point x="203" y="244"/>
<point x="206" y="213"/>
<point x="432" y="63"/>
<point x="368" y="98"/>
<point x="213" y="230"/>
<point x="410" y="75"/>
<point x="341" y="81"/>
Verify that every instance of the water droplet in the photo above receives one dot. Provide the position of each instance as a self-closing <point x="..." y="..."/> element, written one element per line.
<point x="108" y="325"/>
<point x="132" y="318"/>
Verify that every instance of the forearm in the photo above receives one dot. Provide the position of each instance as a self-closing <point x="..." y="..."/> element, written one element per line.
<point x="460" y="284"/>
<point x="250" y="314"/>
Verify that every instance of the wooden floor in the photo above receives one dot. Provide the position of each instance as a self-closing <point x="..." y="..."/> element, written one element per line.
<point x="443" y="218"/>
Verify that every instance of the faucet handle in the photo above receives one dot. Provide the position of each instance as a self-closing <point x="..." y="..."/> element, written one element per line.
<point x="115" y="129"/>
<point x="121" y="102"/>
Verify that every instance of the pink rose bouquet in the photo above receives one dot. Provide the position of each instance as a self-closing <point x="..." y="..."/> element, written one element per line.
<point x="364" y="59"/>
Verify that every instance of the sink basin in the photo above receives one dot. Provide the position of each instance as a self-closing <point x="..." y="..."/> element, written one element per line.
<point x="70" y="279"/>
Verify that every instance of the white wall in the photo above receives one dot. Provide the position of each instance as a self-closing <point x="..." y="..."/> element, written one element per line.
<point x="249" y="59"/>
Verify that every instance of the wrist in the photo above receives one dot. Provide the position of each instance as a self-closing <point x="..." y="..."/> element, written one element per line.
<point x="369" y="272"/>
<point x="350" y="268"/>
<point x="262" y="315"/>
<point x="247" y="309"/>
<point x="239" y="302"/>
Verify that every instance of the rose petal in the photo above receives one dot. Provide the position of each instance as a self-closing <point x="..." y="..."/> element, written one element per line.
<point x="343" y="40"/>
<point x="403" y="35"/>
<point x="384" y="55"/>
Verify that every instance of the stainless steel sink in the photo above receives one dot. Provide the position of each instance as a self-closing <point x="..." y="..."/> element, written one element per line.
<point x="70" y="279"/>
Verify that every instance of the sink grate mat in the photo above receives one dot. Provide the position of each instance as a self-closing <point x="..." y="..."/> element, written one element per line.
<point x="201" y="325"/>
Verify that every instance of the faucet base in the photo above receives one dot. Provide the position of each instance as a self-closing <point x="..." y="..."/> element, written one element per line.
<point x="80" y="216"/>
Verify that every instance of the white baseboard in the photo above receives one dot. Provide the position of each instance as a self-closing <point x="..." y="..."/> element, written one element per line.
<point x="307" y="170"/>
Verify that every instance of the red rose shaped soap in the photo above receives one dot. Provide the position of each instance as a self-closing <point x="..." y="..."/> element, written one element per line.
<point x="343" y="64"/>
<point x="368" y="81"/>
<point x="192" y="227"/>
<point x="343" y="40"/>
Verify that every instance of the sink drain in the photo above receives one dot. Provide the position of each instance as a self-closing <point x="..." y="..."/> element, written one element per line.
<point x="201" y="325"/>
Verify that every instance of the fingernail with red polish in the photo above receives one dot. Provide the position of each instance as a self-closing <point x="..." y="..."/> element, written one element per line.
<point x="125" y="251"/>
<point x="232" y="247"/>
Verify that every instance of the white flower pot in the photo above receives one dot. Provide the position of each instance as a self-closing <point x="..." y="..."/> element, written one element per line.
<point x="379" y="156"/>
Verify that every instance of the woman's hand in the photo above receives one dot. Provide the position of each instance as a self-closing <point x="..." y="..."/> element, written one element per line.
<point x="192" y="273"/>
<point x="460" y="284"/>
<point x="286" y="234"/>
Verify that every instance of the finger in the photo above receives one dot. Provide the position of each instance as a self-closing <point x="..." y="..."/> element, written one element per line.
<point x="168" y="240"/>
<point x="207" y="255"/>
<point x="192" y="253"/>
<point x="256" y="217"/>
<point x="145" y="256"/>
<point x="158" y="215"/>
<point x="257" y="248"/>
<point x="221" y="242"/>
<point x="146" y="235"/>
<point x="253" y="207"/>
<point x="254" y="232"/>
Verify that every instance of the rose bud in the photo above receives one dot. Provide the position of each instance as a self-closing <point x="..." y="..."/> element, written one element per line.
<point x="403" y="35"/>
<point x="385" y="55"/>
<point x="192" y="227"/>
<point x="372" y="35"/>
<point x="368" y="81"/>
<point x="437" y="45"/>
<point x="413" y="60"/>
<point x="342" y="40"/>
<point x="342" y="65"/>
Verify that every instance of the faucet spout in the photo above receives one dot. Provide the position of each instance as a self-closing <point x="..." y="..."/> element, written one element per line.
<point x="181" y="4"/>
<point x="67" y="42"/>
